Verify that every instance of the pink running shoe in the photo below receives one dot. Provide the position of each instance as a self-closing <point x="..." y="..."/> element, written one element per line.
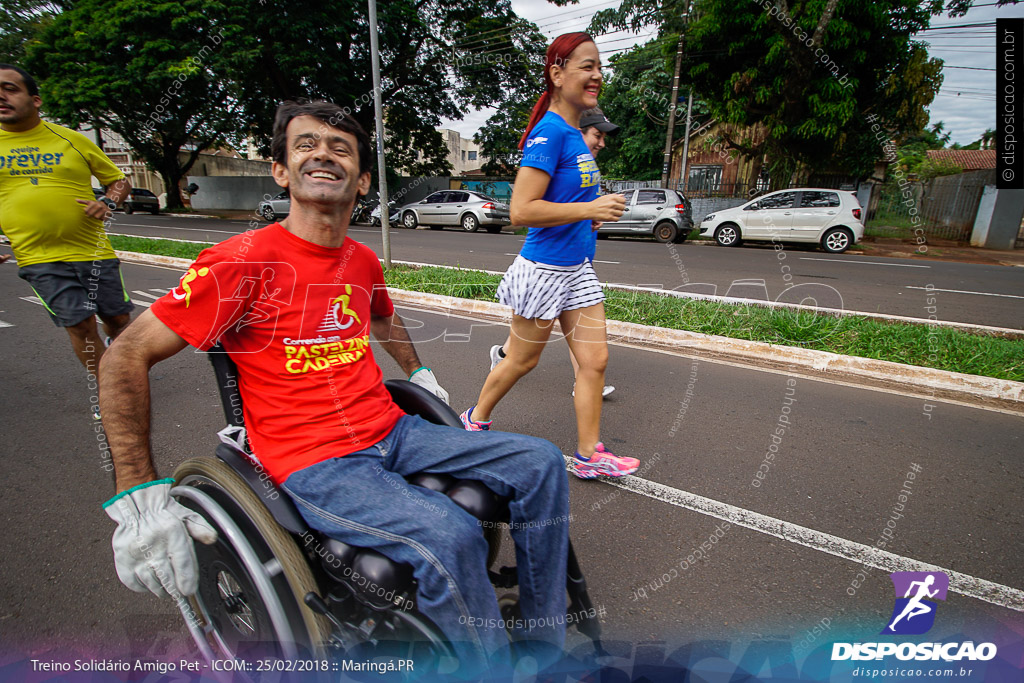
<point x="472" y="425"/>
<point x="603" y="462"/>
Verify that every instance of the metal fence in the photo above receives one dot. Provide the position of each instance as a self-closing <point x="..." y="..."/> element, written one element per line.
<point x="946" y="206"/>
<point x="705" y="198"/>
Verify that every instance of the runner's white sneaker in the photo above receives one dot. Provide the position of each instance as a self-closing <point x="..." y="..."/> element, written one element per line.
<point x="608" y="388"/>
<point x="495" y="358"/>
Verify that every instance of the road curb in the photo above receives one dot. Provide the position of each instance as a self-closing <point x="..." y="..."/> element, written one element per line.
<point x="928" y="383"/>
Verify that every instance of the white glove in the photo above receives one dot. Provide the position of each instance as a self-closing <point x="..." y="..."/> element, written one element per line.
<point x="152" y="548"/>
<point x="425" y="378"/>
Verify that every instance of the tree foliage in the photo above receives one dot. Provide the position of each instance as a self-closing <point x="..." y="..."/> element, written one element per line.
<point x="637" y="97"/>
<point x="19" y="21"/>
<point x="811" y="78"/>
<point x="114" y="62"/>
<point x="774" y="71"/>
<point x="151" y="71"/>
<point x="306" y="48"/>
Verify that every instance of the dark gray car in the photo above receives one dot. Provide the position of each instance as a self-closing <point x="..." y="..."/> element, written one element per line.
<point x="463" y="208"/>
<point x="661" y="213"/>
<point x="140" y="199"/>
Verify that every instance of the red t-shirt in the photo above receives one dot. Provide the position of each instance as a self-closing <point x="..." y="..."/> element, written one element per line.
<point x="295" y="318"/>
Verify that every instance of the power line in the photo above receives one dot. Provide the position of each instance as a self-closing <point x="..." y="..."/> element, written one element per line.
<point x="540" y="26"/>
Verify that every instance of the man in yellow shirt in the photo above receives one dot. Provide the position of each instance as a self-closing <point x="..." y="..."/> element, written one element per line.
<point x="54" y="223"/>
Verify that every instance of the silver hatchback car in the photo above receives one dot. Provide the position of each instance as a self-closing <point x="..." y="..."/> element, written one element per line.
<point x="464" y="208"/>
<point x="278" y="206"/>
<point x="659" y="212"/>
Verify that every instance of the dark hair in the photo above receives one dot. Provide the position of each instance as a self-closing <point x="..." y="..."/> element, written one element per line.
<point x="30" y="83"/>
<point x="328" y="112"/>
<point x="557" y="55"/>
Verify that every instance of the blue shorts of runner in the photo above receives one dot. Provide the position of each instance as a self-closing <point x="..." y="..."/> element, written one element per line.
<point x="541" y="290"/>
<point x="364" y="499"/>
<point x="73" y="291"/>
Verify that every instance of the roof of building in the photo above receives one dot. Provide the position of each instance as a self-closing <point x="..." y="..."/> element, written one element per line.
<point x="967" y="159"/>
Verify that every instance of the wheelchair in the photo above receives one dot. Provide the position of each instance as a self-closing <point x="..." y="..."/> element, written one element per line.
<point x="273" y="589"/>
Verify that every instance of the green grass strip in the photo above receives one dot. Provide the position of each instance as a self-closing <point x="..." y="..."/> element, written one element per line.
<point x="927" y="346"/>
<point x="912" y="344"/>
<point x="143" y="245"/>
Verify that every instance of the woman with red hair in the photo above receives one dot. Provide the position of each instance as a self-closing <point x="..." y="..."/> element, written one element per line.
<point x="552" y="278"/>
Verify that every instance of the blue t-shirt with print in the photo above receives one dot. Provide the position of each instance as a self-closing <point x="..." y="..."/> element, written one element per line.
<point x="558" y="149"/>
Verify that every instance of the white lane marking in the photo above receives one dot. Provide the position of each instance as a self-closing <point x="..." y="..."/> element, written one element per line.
<point x="38" y="301"/>
<point x="6" y="324"/>
<point x="615" y="262"/>
<point x="870" y="263"/>
<point x="171" y="227"/>
<point x="964" y="291"/>
<point x="150" y="237"/>
<point x="971" y="586"/>
<point x="511" y="254"/>
<point x="154" y="297"/>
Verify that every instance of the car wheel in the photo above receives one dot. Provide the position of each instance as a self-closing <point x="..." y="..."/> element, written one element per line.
<point x="836" y="240"/>
<point x="268" y="214"/>
<point x="728" y="235"/>
<point x="128" y="209"/>
<point x="666" y="232"/>
<point x="155" y="212"/>
<point x="493" y="229"/>
<point x="409" y="220"/>
<point x="470" y="223"/>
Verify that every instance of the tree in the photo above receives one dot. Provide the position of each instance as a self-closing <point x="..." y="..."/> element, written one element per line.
<point x="771" y="72"/>
<point x="808" y="74"/>
<point x="149" y="71"/>
<point x="437" y="60"/>
<point x="637" y="98"/>
<point x="114" y="63"/>
<point x="19" y="21"/>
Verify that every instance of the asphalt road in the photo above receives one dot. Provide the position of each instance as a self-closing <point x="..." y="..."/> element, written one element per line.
<point x="843" y="459"/>
<point x="986" y="295"/>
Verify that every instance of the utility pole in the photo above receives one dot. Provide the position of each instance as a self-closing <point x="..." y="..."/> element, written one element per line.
<point x="382" y="182"/>
<point x="683" y="175"/>
<point x="667" y="163"/>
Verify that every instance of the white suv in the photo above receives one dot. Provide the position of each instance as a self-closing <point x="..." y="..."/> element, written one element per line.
<point x="831" y="218"/>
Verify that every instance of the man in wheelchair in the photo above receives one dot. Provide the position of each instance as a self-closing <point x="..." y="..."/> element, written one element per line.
<point x="293" y="305"/>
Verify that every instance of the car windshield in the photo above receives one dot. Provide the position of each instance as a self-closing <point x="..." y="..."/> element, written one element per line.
<point x="139" y="192"/>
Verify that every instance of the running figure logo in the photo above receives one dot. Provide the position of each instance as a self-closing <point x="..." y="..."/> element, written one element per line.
<point x="914" y="612"/>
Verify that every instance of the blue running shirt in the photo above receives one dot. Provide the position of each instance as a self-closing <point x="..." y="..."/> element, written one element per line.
<point x="558" y="149"/>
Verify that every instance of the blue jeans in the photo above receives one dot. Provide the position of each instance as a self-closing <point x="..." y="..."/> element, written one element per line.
<point x="363" y="499"/>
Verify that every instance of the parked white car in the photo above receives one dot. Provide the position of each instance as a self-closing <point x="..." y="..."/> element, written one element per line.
<point x="831" y="218"/>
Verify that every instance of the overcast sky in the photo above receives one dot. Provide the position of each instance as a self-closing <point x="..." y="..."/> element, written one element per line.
<point x="965" y="103"/>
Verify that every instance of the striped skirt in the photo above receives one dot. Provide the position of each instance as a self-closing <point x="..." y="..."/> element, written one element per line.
<point x="541" y="290"/>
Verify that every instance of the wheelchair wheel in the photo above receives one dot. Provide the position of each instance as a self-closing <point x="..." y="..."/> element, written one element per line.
<point x="252" y="581"/>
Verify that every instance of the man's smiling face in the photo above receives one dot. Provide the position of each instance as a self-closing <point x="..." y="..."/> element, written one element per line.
<point x="16" y="105"/>
<point x="322" y="164"/>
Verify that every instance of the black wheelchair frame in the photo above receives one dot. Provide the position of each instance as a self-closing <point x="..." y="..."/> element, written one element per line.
<point x="272" y="586"/>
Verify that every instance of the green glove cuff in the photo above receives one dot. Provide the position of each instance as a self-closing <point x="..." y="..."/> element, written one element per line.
<point x="133" y="489"/>
<point x="422" y="367"/>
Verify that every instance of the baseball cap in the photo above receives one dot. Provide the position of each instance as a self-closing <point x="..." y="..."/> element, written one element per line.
<point x="595" y="117"/>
